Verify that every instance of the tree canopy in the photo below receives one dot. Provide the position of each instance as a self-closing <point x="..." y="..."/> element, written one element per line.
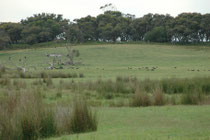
<point x="108" y="27"/>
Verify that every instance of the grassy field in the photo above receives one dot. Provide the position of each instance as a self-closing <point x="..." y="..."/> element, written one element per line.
<point x="114" y="75"/>
<point x="109" y="61"/>
<point x="150" y="123"/>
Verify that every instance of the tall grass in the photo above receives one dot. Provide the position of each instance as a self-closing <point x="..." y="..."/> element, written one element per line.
<point x="25" y="117"/>
<point x="42" y="74"/>
<point x="82" y="118"/>
<point x="159" y="97"/>
<point x="129" y="85"/>
<point x="193" y="98"/>
<point x="141" y="99"/>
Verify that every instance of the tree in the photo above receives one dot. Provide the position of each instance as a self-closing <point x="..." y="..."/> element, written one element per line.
<point x="57" y="61"/>
<point x="71" y="54"/>
<point x="13" y="30"/>
<point x="30" y="34"/>
<point x="158" y="34"/>
<point x="73" y="34"/>
<point x="88" y="26"/>
<point x="113" y="25"/>
<point x="141" y="26"/>
<point x="4" y="39"/>
<point x="43" y="27"/>
<point x="205" y="27"/>
<point x="187" y="28"/>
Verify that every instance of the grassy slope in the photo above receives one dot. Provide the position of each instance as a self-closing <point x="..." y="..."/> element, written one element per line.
<point x="170" y="122"/>
<point x="109" y="61"/>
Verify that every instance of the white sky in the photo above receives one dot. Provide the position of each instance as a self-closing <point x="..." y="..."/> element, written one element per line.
<point x="15" y="10"/>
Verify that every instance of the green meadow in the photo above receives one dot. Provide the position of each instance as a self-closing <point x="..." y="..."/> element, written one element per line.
<point x="150" y="123"/>
<point x="138" y="91"/>
<point x="109" y="61"/>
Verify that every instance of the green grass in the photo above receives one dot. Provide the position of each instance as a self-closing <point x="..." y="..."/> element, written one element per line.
<point x="150" y="123"/>
<point x="109" y="61"/>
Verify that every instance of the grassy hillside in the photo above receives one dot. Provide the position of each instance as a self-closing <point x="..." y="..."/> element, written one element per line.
<point x="109" y="61"/>
<point x="114" y="80"/>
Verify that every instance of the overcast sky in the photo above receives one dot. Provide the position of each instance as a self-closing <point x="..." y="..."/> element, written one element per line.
<point x="15" y="10"/>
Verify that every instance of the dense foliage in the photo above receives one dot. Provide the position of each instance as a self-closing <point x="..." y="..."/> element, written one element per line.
<point x="111" y="26"/>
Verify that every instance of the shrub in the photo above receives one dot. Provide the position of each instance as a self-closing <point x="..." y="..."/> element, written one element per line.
<point x="9" y="126"/>
<point x="120" y="87"/>
<point x="159" y="98"/>
<point x="140" y="99"/>
<point x="173" y="85"/>
<point x="29" y="126"/>
<point x="104" y="86"/>
<point x="192" y="98"/>
<point x="148" y="85"/>
<point x="82" y="119"/>
<point x="24" y="117"/>
<point x="48" y="124"/>
<point x="30" y="108"/>
<point x="63" y="120"/>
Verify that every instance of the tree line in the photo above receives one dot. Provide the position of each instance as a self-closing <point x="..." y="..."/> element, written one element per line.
<point x="111" y="26"/>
